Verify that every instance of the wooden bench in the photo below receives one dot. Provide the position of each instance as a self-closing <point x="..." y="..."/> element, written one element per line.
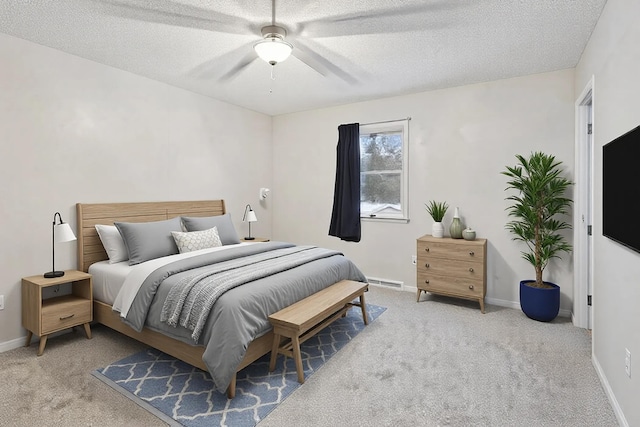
<point x="304" y="319"/>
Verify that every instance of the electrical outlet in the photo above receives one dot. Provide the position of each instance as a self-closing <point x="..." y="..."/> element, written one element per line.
<point x="1" y="302"/>
<point x="414" y="259"/>
<point x="627" y="362"/>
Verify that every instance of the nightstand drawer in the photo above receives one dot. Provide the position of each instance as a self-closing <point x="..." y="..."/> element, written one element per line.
<point x="450" y="267"/>
<point x="453" y="286"/>
<point x="64" y="312"/>
<point x="461" y="250"/>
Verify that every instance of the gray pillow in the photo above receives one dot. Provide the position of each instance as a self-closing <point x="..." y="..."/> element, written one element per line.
<point x="149" y="240"/>
<point x="226" y="230"/>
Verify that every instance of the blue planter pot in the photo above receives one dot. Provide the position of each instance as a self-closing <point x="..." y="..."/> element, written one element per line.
<point x="542" y="304"/>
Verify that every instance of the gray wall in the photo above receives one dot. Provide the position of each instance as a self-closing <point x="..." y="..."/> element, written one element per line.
<point x="460" y="141"/>
<point x="75" y="131"/>
<point x="612" y="57"/>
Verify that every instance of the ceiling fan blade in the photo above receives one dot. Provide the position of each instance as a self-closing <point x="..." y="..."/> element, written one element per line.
<point x="319" y="63"/>
<point x="414" y="17"/>
<point x="171" y="13"/>
<point x="240" y="65"/>
<point x="212" y="69"/>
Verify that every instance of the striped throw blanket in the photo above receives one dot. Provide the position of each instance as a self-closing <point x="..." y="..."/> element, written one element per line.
<point x="190" y="300"/>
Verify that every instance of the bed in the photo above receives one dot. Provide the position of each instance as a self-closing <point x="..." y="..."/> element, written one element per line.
<point x="255" y="300"/>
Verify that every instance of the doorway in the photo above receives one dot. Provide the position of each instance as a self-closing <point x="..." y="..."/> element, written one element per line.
<point x="583" y="300"/>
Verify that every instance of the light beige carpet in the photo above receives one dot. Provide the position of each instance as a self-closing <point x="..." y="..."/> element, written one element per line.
<point x="439" y="362"/>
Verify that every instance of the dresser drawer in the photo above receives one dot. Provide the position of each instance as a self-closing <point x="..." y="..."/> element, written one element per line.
<point x="455" y="286"/>
<point x="64" y="312"/>
<point x="461" y="250"/>
<point x="468" y="269"/>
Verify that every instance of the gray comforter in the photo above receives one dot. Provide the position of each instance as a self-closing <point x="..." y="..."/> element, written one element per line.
<point x="239" y="315"/>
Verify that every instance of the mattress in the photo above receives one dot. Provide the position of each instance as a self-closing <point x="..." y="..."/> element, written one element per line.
<point x="108" y="279"/>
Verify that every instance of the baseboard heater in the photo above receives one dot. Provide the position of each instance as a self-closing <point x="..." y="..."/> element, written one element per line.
<point x="385" y="282"/>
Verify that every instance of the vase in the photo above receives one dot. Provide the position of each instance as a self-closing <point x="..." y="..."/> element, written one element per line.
<point x="455" y="230"/>
<point x="468" y="234"/>
<point x="437" y="229"/>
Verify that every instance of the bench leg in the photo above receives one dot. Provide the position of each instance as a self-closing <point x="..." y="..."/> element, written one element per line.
<point x="295" y="341"/>
<point x="274" y="352"/>
<point x="364" y="310"/>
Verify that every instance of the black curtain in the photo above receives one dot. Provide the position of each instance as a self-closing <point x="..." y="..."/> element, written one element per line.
<point x="345" y="218"/>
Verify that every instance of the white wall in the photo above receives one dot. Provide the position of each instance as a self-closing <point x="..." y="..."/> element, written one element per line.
<point x="613" y="58"/>
<point x="460" y="141"/>
<point x="72" y="130"/>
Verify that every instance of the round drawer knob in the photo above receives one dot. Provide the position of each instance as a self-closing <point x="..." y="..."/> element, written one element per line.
<point x="427" y="265"/>
<point x="471" y="269"/>
<point x="426" y="281"/>
<point x="471" y="253"/>
<point x="470" y="286"/>
<point x="426" y="249"/>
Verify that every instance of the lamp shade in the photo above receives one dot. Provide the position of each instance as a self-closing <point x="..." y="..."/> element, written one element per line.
<point x="63" y="233"/>
<point x="273" y="49"/>
<point x="251" y="216"/>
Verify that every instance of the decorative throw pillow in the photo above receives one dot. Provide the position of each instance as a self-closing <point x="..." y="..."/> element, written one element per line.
<point x="149" y="240"/>
<point x="196" y="240"/>
<point x="112" y="242"/>
<point x="226" y="230"/>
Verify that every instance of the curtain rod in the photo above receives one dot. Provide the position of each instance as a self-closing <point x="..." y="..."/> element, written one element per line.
<point x="385" y="121"/>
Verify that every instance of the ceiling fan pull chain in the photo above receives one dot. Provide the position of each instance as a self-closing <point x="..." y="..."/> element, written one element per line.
<point x="271" y="81"/>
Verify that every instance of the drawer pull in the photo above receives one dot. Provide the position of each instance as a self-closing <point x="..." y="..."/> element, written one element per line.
<point x="67" y="317"/>
<point x="427" y="265"/>
<point x="471" y="269"/>
<point x="470" y="286"/>
<point x="471" y="253"/>
<point x="426" y="281"/>
<point x="426" y="249"/>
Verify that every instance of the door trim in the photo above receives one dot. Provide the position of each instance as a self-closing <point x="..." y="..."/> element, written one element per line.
<point x="583" y="207"/>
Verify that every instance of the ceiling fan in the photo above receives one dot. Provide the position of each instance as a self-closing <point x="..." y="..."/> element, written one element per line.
<point x="275" y="47"/>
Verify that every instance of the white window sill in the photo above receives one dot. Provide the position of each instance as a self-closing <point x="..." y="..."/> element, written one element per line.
<point x="383" y="219"/>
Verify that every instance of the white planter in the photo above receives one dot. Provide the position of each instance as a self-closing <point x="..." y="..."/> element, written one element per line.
<point x="437" y="229"/>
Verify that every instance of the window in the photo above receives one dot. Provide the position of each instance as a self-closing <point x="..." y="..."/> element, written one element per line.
<point x="383" y="170"/>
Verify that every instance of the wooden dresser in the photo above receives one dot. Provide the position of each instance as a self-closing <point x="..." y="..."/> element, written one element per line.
<point x="452" y="267"/>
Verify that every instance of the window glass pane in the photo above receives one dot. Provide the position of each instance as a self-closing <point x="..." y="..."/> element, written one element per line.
<point x="381" y="173"/>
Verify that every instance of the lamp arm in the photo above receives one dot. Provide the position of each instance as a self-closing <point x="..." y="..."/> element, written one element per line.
<point x="53" y="242"/>
<point x="244" y="217"/>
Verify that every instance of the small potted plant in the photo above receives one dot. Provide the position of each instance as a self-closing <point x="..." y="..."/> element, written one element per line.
<point x="536" y="209"/>
<point x="437" y="211"/>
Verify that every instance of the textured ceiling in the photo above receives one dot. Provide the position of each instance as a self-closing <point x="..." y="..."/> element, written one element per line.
<point x="345" y="51"/>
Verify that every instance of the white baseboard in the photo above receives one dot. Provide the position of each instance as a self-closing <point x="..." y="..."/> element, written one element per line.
<point x="19" y="342"/>
<point x="495" y="301"/>
<point x="607" y="390"/>
<point x="10" y="345"/>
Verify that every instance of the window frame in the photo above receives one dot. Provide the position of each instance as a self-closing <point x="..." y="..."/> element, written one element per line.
<point x="400" y="126"/>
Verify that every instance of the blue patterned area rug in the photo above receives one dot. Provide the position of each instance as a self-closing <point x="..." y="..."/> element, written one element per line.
<point x="182" y="395"/>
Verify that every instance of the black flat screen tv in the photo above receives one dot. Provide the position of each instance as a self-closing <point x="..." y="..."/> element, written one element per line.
<point x="621" y="189"/>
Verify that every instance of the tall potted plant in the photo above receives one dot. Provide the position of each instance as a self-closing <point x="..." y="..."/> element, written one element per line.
<point x="539" y="203"/>
<point x="437" y="211"/>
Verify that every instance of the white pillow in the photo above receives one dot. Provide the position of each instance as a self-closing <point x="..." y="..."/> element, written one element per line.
<point x="112" y="242"/>
<point x="196" y="240"/>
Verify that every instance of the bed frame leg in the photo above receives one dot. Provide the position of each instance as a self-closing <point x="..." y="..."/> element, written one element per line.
<point x="231" y="391"/>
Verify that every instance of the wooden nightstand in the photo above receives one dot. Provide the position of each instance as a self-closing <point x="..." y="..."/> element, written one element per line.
<point x="256" y="239"/>
<point x="45" y="316"/>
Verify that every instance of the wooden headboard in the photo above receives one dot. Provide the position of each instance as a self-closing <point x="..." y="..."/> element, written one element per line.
<point x="90" y="247"/>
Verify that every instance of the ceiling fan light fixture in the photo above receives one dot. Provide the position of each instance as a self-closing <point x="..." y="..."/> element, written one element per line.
<point x="273" y="49"/>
